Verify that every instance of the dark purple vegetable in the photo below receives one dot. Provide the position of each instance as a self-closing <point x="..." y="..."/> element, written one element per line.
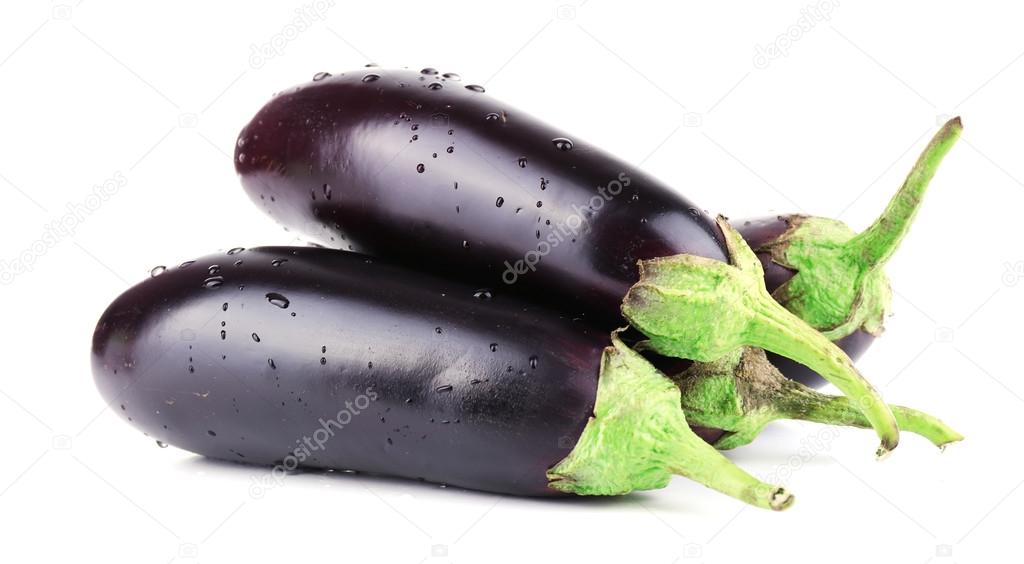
<point x="318" y="358"/>
<point x="446" y="178"/>
<point x="238" y="362"/>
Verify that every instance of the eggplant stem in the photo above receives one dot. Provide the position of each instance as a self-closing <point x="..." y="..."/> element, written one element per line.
<point x="782" y="334"/>
<point x="701" y="309"/>
<point x="817" y="407"/>
<point x="742" y="393"/>
<point x="840" y="285"/>
<point x="638" y="437"/>
<point x="876" y="244"/>
<point x="701" y="462"/>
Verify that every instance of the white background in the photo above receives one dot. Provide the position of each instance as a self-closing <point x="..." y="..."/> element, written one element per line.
<point x="157" y="94"/>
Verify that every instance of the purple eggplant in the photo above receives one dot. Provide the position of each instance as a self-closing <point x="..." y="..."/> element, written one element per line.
<point x="436" y="174"/>
<point x="305" y="357"/>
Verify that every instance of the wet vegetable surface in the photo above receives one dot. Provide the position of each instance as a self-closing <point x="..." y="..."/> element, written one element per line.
<point x="248" y="356"/>
<point x="437" y="174"/>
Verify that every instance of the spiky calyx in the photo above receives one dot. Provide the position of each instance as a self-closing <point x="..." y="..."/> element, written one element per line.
<point x="638" y="438"/>
<point x="701" y="309"/>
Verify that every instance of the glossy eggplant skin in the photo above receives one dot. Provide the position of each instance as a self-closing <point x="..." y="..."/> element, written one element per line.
<point x="247" y="356"/>
<point x="427" y="171"/>
<point x="758" y="232"/>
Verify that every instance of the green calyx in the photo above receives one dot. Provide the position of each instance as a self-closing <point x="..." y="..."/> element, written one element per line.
<point x="702" y="309"/>
<point x="638" y="438"/>
<point x="743" y="392"/>
<point x="839" y="285"/>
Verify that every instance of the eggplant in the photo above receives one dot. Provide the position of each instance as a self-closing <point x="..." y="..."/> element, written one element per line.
<point x="422" y="169"/>
<point x="308" y="357"/>
<point x="314" y="358"/>
<point x="832" y="277"/>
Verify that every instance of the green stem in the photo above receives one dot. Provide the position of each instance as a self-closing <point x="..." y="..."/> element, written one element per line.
<point x="701" y="309"/>
<point x="743" y="392"/>
<point x="876" y="244"/>
<point x="783" y="333"/>
<point x="839" y="286"/>
<point x="809" y="405"/>
<point x="719" y="473"/>
<point x="638" y="437"/>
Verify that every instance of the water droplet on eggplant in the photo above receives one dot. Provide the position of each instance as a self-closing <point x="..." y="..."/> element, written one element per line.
<point x="483" y="294"/>
<point x="278" y="300"/>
